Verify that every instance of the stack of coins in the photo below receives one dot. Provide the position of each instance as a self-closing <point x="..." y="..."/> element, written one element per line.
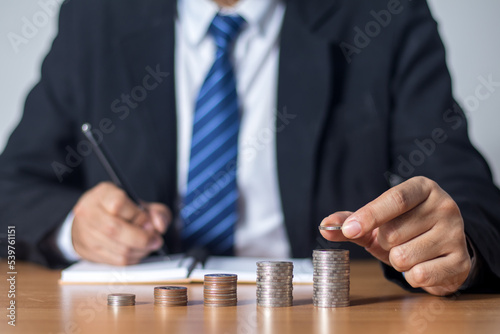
<point x="331" y="278"/>
<point x="121" y="299"/>
<point x="220" y="290"/>
<point x="171" y="296"/>
<point x="274" y="283"/>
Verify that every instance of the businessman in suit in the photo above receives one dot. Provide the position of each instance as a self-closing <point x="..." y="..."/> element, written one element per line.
<point x="243" y="124"/>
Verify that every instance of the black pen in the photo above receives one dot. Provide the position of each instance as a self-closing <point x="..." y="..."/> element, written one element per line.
<point x="113" y="171"/>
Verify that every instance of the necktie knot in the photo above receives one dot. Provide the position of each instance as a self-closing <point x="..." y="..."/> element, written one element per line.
<point x="224" y="29"/>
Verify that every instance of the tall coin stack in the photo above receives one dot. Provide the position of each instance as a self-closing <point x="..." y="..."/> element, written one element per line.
<point x="220" y="290"/>
<point x="171" y="296"/>
<point x="274" y="283"/>
<point x="331" y="278"/>
<point x="121" y="299"/>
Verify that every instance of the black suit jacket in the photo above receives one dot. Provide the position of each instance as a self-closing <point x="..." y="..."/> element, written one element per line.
<point x="364" y="101"/>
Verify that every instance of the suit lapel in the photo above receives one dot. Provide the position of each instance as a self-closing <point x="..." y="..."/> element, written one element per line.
<point x="304" y="88"/>
<point x="149" y="53"/>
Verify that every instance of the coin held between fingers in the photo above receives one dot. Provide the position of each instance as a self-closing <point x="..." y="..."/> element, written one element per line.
<point x="330" y="228"/>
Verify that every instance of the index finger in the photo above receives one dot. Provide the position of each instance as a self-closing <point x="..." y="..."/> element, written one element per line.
<point x="391" y="204"/>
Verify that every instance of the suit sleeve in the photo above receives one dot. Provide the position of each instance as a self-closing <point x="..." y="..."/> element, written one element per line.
<point x="39" y="183"/>
<point x="429" y="137"/>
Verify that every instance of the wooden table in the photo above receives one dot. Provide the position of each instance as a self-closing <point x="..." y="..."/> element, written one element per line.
<point x="378" y="306"/>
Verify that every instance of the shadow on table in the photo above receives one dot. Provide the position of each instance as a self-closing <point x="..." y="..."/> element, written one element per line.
<point x="357" y="301"/>
<point x="301" y="302"/>
<point x="195" y="302"/>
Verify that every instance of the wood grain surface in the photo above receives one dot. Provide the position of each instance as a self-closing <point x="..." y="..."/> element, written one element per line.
<point x="378" y="306"/>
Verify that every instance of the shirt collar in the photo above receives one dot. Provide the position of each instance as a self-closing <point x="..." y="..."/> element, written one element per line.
<point x="197" y="15"/>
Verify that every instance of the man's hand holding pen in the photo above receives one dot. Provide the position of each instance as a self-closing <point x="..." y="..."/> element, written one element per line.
<point x="109" y="227"/>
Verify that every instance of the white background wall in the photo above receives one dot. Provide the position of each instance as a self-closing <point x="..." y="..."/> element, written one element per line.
<point x="470" y="30"/>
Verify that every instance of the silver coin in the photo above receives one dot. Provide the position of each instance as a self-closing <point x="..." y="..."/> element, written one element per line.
<point x="330" y="254"/>
<point x="121" y="299"/>
<point x="121" y="296"/>
<point x="274" y="295"/>
<point x="344" y="296"/>
<point x="329" y="274"/>
<point x="333" y="305"/>
<point x="273" y="285"/>
<point x="271" y="296"/>
<point x="331" y="262"/>
<point x="329" y="257"/>
<point x="275" y="278"/>
<point x="330" y="299"/>
<point x="274" y="263"/>
<point x="275" y="301"/>
<point x="275" y="273"/>
<point x="216" y="276"/>
<point x="323" y="269"/>
<point x="329" y="280"/>
<point x="331" y="271"/>
<point x="337" y="265"/>
<point x="274" y="288"/>
<point x="331" y="287"/>
<point x="331" y="292"/>
<point x="275" y="291"/>
<point x="330" y="251"/>
<point x="330" y="228"/>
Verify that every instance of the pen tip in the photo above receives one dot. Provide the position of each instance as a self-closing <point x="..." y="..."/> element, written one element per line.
<point x="85" y="127"/>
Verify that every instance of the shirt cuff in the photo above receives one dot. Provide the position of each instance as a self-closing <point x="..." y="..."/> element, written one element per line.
<point x="64" y="240"/>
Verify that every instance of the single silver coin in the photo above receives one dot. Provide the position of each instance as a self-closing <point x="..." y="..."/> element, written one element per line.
<point x="330" y="228"/>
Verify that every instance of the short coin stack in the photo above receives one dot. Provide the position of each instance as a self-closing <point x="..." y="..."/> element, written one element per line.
<point x="331" y="277"/>
<point x="171" y="296"/>
<point x="121" y="299"/>
<point x="220" y="290"/>
<point x="274" y="283"/>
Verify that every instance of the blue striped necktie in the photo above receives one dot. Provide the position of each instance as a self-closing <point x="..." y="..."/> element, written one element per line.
<point x="210" y="209"/>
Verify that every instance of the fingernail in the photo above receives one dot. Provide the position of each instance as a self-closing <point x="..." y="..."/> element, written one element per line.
<point x="351" y="229"/>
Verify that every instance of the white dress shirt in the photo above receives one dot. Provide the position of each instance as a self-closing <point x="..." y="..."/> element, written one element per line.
<point x="260" y="230"/>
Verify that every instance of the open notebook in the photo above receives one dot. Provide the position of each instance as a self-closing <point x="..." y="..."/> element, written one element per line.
<point x="177" y="269"/>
